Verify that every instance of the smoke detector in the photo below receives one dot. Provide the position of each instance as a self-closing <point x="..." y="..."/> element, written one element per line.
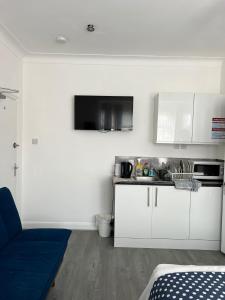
<point x="91" y="27"/>
<point x="61" y="39"/>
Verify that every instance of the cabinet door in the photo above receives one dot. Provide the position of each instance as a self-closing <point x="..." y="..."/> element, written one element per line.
<point x="174" y="117"/>
<point x="206" y="107"/>
<point x="223" y="224"/>
<point x="170" y="214"/>
<point x="205" y="214"/>
<point x="132" y="211"/>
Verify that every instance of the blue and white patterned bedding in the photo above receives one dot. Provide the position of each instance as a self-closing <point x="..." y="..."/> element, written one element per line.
<point x="186" y="283"/>
<point x="189" y="285"/>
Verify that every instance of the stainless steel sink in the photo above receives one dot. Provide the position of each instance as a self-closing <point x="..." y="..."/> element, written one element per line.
<point x="146" y="179"/>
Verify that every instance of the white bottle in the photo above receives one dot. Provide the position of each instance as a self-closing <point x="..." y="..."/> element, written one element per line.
<point x="117" y="170"/>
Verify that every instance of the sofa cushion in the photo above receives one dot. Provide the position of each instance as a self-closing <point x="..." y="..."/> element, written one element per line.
<point x="29" y="259"/>
<point x="9" y="213"/>
<point x="3" y="233"/>
<point x="40" y="257"/>
<point x="54" y="235"/>
<point x="17" y="285"/>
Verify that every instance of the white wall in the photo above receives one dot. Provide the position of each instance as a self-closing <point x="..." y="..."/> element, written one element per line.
<point x="11" y="77"/>
<point x="67" y="176"/>
<point x="223" y="77"/>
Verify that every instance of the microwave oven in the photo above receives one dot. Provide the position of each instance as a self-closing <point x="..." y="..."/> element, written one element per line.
<point x="208" y="170"/>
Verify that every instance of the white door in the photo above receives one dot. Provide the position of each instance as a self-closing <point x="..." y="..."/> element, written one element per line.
<point x="206" y="107"/>
<point x="223" y="219"/>
<point x="132" y="211"/>
<point x="174" y="117"/>
<point x="205" y="214"/>
<point x="170" y="215"/>
<point x="8" y="135"/>
<point x="223" y="224"/>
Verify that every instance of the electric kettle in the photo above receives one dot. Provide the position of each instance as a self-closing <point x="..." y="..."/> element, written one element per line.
<point x="126" y="169"/>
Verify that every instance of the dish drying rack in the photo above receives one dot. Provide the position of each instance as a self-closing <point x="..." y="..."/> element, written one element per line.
<point x="181" y="176"/>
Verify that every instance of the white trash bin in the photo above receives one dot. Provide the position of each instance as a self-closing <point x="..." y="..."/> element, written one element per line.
<point x="103" y="225"/>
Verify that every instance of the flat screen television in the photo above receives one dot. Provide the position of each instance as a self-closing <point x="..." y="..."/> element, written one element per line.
<point x="103" y="113"/>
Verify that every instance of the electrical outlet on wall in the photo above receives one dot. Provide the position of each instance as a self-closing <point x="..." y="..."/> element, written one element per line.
<point x="183" y="146"/>
<point x="34" y="141"/>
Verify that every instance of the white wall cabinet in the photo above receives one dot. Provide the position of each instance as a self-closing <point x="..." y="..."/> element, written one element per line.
<point x="186" y="118"/>
<point x="206" y="214"/>
<point x="174" y="117"/>
<point x="206" y="107"/>
<point x="170" y="214"/>
<point x="165" y="217"/>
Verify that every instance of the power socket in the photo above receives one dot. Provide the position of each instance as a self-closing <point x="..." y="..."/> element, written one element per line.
<point x="34" y="141"/>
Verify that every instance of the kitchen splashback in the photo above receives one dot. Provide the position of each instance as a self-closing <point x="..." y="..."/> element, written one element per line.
<point x="172" y="164"/>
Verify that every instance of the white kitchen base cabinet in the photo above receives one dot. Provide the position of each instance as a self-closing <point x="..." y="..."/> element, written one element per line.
<point x="132" y="211"/>
<point x="170" y="213"/>
<point x="148" y="216"/>
<point x="206" y="214"/>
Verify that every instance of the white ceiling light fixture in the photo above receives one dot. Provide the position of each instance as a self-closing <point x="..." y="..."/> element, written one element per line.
<point x="61" y="39"/>
<point x="90" y="27"/>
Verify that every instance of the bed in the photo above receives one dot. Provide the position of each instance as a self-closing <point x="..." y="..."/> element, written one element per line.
<point x="181" y="282"/>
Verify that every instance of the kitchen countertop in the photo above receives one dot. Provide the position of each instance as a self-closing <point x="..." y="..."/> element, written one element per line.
<point x="118" y="180"/>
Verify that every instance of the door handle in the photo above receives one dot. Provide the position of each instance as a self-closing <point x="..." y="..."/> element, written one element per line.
<point x="15" y="145"/>
<point x="15" y="169"/>
<point x="156" y="197"/>
<point x="148" y="198"/>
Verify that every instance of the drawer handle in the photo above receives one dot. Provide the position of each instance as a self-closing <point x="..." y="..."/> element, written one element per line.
<point x="148" y="200"/>
<point x="156" y="197"/>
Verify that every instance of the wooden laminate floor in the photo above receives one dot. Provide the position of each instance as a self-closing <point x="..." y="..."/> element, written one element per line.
<point x="93" y="269"/>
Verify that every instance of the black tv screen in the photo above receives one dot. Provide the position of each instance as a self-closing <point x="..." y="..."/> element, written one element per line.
<point x="104" y="113"/>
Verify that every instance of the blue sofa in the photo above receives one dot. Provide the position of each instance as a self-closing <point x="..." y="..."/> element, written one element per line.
<point x="29" y="259"/>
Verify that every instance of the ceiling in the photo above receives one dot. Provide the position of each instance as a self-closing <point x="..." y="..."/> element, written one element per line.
<point x="187" y="28"/>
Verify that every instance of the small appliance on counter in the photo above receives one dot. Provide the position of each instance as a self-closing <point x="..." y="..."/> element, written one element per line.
<point x="126" y="169"/>
<point x="163" y="175"/>
<point x="208" y="170"/>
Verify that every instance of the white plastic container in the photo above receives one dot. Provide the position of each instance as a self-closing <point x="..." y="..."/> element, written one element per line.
<point x="103" y="225"/>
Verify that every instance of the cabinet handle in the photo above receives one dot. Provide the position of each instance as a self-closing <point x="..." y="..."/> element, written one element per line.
<point x="156" y="197"/>
<point x="148" y="200"/>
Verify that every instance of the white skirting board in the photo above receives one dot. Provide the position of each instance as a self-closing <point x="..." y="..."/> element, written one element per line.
<point x="167" y="244"/>
<point x="67" y="225"/>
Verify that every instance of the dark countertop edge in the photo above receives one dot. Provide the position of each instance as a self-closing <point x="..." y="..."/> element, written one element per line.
<point x="168" y="183"/>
